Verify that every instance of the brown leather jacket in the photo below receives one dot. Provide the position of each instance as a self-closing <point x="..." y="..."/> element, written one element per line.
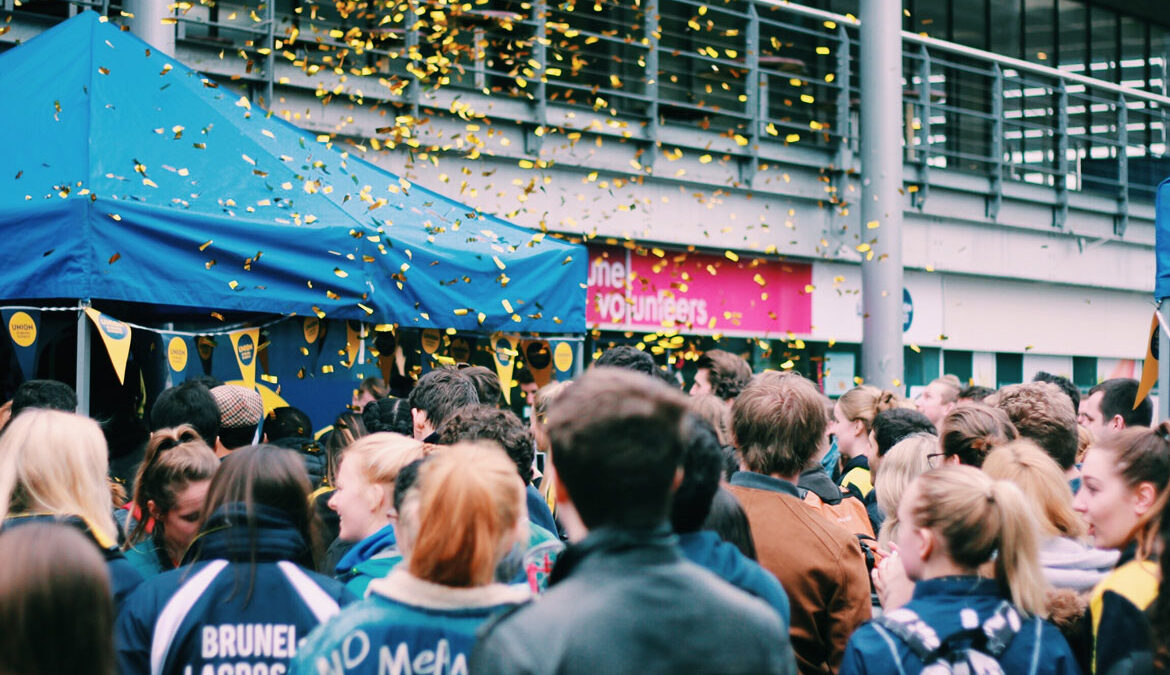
<point x="819" y="564"/>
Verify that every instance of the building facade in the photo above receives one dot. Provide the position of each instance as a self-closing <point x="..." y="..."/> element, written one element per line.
<point x="707" y="152"/>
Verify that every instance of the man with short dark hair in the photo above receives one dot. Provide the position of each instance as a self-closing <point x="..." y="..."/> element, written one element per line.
<point x="49" y="394"/>
<point x="289" y="427"/>
<point x="702" y="468"/>
<point x="240" y="412"/>
<point x="722" y="374"/>
<point x="1041" y="412"/>
<point x="1109" y="409"/>
<point x="623" y="597"/>
<point x="628" y="358"/>
<point x="487" y="384"/>
<point x="188" y="403"/>
<point x="778" y="421"/>
<point x="893" y="425"/>
<point x="437" y="395"/>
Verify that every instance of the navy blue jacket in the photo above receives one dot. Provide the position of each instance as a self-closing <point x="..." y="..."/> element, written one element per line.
<point x="223" y="610"/>
<point x="706" y="549"/>
<point x="538" y="511"/>
<point x="124" y="577"/>
<point x="405" y="621"/>
<point x="1038" y="647"/>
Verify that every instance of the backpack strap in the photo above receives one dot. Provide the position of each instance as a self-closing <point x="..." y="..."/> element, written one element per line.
<point x="1000" y="629"/>
<point x="992" y="637"/>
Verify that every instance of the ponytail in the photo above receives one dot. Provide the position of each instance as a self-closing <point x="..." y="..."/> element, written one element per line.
<point x="982" y="520"/>
<point x="1017" y="567"/>
<point x="174" y="458"/>
<point x="470" y="500"/>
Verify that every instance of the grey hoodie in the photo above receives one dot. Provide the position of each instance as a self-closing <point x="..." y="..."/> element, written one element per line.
<point x="1069" y="563"/>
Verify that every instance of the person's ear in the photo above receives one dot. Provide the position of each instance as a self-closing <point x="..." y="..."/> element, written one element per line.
<point x="152" y="510"/>
<point x="1117" y="423"/>
<point x="1144" y="496"/>
<point x="418" y="417"/>
<point x="952" y="459"/>
<point x="925" y="543"/>
<point x="378" y="502"/>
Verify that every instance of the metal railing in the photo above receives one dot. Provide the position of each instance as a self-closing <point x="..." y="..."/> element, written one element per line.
<point x="765" y="74"/>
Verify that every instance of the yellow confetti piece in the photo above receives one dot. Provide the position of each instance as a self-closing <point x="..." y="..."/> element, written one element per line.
<point x="792" y="138"/>
<point x="787" y="365"/>
<point x="823" y="51"/>
<point x="873" y="225"/>
<point x="771" y="129"/>
<point x="916" y="348"/>
<point x="499" y="263"/>
<point x="862" y="248"/>
<point x="233" y="284"/>
<point x="526" y="164"/>
<point x="481" y="317"/>
<point x="461" y="311"/>
<point x="340" y="272"/>
<point x="732" y="256"/>
<point x="114" y="216"/>
<point x="149" y="183"/>
<point x="244" y="103"/>
<point x="705" y="159"/>
<point x="326" y="369"/>
<point x="204" y="245"/>
<point x="740" y="140"/>
<point x="507" y="305"/>
<point x="368" y="310"/>
<point x="104" y="71"/>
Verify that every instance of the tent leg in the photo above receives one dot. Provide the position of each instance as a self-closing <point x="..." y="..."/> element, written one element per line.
<point x="579" y="362"/>
<point x="1163" y="374"/>
<point x="83" y="362"/>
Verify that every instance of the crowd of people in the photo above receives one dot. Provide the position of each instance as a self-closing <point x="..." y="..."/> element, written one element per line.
<point x="754" y="526"/>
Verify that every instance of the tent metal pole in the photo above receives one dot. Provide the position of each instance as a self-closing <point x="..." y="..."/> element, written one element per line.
<point x="1163" y="367"/>
<point x="83" y="360"/>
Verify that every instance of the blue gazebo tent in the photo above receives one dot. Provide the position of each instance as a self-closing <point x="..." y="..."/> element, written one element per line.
<point x="129" y="177"/>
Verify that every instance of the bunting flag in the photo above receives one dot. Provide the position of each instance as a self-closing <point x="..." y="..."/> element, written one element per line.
<point x="538" y="356"/>
<point x="204" y="346"/>
<point x="564" y="356"/>
<point x="116" y="336"/>
<point x="1150" y="367"/>
<point x="430" y="339"/>
<point x="244" y="344"/>
<point x="23" y="328"/>
<point x="178" y="351"/>
<point x="461" y="349"/>
<point x="504" y="355"/>
<point x="355" y="333"/>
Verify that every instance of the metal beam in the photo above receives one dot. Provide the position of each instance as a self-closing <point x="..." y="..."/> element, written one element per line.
<point x="84" y="357"/>
<point x="881" y="200"/>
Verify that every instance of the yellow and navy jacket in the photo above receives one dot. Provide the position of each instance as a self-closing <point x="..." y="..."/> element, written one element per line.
<point x="1117" y="609"/>
<point x="856" y="478"/>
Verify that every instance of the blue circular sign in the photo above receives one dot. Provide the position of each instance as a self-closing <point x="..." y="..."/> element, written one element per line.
<point x="907" y="310"/>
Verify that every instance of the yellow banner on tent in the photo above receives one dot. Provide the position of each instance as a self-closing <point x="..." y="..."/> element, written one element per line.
<point x="244" y="345"/>
<point x="504" y="355"/>
<point x="1150" y="367"/>
<point x="116" y="337"/>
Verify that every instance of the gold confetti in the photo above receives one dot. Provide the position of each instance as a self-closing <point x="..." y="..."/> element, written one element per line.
<point x="233" y="283"/>
<point x="873" y="225"/>
<point x="114" y="258"/>
<point x="104" y="71"/>
<point x="705" y="159"/>
<point x="499" y="263"/>
<point x="862" y="248"/>
<point x="507" y="305"/>
<point x="731" y="255"/>
<point x="204" y="245"/>
<point x="461" y="311"/>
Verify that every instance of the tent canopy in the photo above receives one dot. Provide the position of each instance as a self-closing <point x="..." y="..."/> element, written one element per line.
<point x="129" y="177"/>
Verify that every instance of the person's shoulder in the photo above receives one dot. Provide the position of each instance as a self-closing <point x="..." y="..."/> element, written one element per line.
<point x="722" y="598"/>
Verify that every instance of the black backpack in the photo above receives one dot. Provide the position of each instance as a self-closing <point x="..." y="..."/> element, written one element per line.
<point x="974" y="650"/>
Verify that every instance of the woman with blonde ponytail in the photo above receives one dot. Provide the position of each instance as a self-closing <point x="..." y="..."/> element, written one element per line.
<point x="1123" y="492"/>
<point x="464" y="513"/>
<point x="954" y="521"/>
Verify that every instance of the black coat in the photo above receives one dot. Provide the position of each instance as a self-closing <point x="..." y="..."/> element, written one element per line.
<point x="625" y="601"/>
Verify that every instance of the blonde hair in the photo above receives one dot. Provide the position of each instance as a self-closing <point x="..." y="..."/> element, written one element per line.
<point x="714" y="410"/>
<point x="380" y="456"/>
<point x="543" y="399"/>
<point x="864" y="403"/>
<point x="979" y="520"/>
<point x="470" y="499"/>
<point x="899" y="467"/>
<point x="1039" y="477"/>
<point x="56" y="462"/>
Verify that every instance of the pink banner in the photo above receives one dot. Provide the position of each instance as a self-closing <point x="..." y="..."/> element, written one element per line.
<point x="699" y="293"/>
